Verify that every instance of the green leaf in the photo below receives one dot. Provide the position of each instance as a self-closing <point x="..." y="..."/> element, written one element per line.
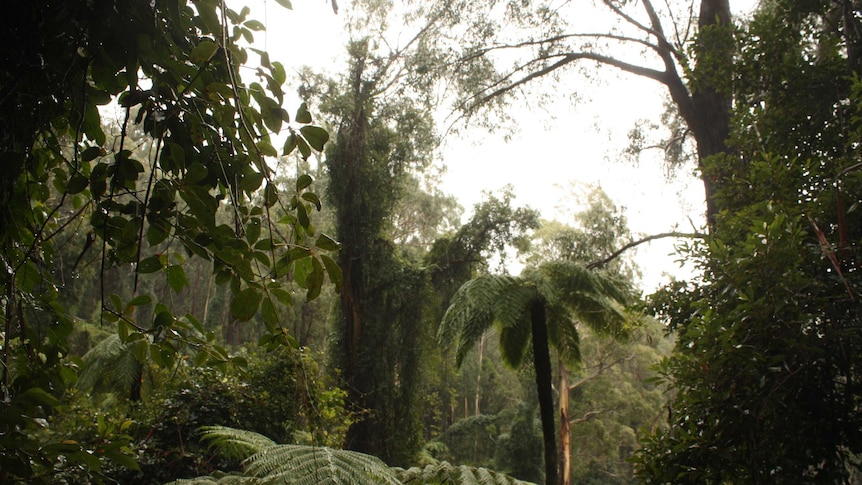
<point x="77" y="184"/>
<point x="327" y="243"/>
<point x="140" y="300"/>
<point x="315" y="136"/>
<point x="269" y="312"/>
<point x="278" y="73"/>
<point x="303" y="182"/>
<point x="150" y="265"/>
<point x="266" y="148"/>
<point x="297" y="253"/>
<point x="289" y="144"/>
<point x="285" y="3"/>
<point x="270" y="195"/>
<point x="177" y="277"/>
<point x="313" y="198"/>
<point x="252" y="231"/>
<point x="245" y="304"/>
<point x="91" y="153"/>
<point x="304" y="149"/>
<point x="302" y="215"/>
<point x="251" y="181"/>
<point x="254" y="25"/>
<point x="334" y="271"/>
<point x="302" y="114"/>
<point x="203" y="52"/>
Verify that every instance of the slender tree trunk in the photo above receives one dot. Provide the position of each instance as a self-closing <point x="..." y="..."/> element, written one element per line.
<point x="565" y="428"/>
<point x="542" y="362"/>
<point x="480" y="352"/>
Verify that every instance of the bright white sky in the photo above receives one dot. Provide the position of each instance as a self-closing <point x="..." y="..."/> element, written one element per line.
<point x="551" y="149"/>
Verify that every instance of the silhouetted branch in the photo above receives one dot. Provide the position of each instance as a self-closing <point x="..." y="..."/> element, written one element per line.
<point x="618" y="252"/>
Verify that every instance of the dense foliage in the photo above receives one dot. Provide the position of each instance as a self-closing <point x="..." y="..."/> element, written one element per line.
<point x="766" y="366"/>
<point x="201" y="187"/>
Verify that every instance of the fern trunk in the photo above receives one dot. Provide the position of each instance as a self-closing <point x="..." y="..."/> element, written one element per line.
<point x="542" y="362"/>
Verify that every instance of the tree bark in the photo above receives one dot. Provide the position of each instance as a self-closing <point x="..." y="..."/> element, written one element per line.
<point x="542" y="363"/>
<point x="565" y="428"/>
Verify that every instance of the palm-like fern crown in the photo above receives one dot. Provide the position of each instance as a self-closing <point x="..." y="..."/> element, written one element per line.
<point x="570" y="293"/>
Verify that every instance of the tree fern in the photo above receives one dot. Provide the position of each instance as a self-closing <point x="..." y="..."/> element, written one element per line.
<point x="267" y="462"/>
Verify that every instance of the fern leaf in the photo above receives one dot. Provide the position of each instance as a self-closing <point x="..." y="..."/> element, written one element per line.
<point x="235" y="443"/>
<point x="309" y="465"/>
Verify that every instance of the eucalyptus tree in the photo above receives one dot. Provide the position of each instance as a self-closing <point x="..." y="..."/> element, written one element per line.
<point x="540" y="307"/>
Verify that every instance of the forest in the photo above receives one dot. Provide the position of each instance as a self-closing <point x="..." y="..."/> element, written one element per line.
<point x="223" y="267"/>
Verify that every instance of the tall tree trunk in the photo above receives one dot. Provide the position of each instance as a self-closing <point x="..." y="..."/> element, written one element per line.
<point x="705" y="104"/>
<point x="542" y="362"/>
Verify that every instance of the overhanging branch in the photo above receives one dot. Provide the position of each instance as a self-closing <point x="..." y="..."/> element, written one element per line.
<point x="601" y="262"/>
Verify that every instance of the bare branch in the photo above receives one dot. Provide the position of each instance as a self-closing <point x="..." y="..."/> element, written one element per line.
<point x="586" y="417"/>
<point x="601" y="262"/>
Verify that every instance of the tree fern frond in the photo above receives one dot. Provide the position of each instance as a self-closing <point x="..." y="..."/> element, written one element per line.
<point x="235" y="443"/>
<point x="512" y="303"/>
<point x="513" y="344"/>
<point x="110" y="365"/>
<point x="446" y="473"/>
<point x="310" y="465"/>
<point x="218" y="478"/>
<point x="563" y="335"/>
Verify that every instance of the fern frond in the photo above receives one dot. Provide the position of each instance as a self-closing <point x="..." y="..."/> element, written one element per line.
<point x="217" y="478"/>
<point x="309" y="465"/>
<point x="235" y="443"/>
<point x="110" y="365"/>
<point x="446" y="473"/>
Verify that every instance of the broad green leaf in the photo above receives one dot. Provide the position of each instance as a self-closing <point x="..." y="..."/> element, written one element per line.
<point x="285" y="3"/>
<point x="289" y="144"/>
<point x="314" y="281"/>
<point x="203" y="52"/>
<point x="302" y="215"/>
<point x="244" y="304"/>
<point x="269" y="313"/>
<point x="77" y="184"/>
<point x="304" y="149"/>
<point x="313" y="198"/>
<point x="252" y="231"/>
<point x="303" y="182"/>
<point x="254" y="25"/>
<point x="176" y="277"/>
<point x="266" y="148"/>
<point x="334" y="271"/>
<point x="327" y="243"/>
<point x="91" y="153"/>
<point x="315" y="135"/>
<point x="251" y="181"/>
<point x="140" y="300"/>
<point x="270" y="195"/>
<point x="150" y="265"/>
<point x="278" y="73"/>
<point x="298" y="252"/>
<point x="302" y="114"/>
